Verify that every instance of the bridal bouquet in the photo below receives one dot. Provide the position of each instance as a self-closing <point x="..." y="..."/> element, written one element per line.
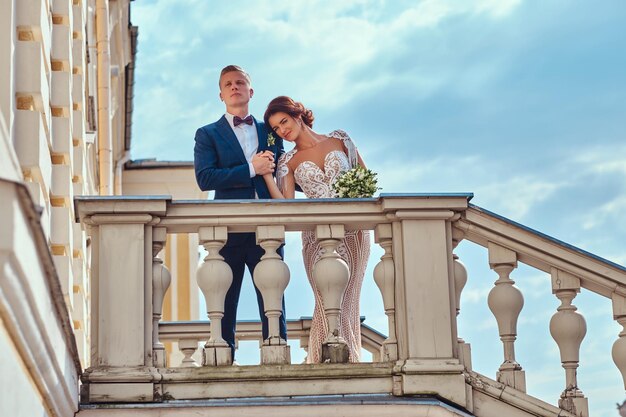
<point x="358" y="182"/>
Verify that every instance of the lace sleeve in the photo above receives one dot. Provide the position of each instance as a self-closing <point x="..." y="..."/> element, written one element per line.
<point x="282" y="169"/>
<point x="353" y="155"/>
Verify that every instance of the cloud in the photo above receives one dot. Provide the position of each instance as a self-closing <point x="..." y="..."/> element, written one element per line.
<point x="497" y="8"/>
<point x="514" y="195"/>
<point x="518" y="195"/>
<point x="318" y="50"/>
<point x="607" y="212"/>
<point x="475" y="295"/>
<point x="604" y="164"/>
<point x="603" y="159"/>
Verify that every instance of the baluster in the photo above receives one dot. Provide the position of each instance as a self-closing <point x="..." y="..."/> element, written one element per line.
<point x="619" y="347"/>
<point x="460" y="272"/>
<point x="384" y="276"/>
<point x="304" y="339"/>
<point x="331" y="275"/>
<point x="161" y="279"/>
<point x="271" y="277"/>
<point x="506" y="302"/>
<point x="214" y="277"/>
<point x="460" y="279"/>
<point x="568" y="328"/>
<point x="188" y="347"/>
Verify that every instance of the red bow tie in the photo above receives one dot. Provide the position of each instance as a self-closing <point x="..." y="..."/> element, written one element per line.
<point x="238" y="120"/>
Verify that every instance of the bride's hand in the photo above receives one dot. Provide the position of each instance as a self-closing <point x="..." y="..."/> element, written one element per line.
<point x="267" y="154"/>
<point x="263" y="164"/>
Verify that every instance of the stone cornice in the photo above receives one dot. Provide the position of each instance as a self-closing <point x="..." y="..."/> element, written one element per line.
<point x="26" y="314"/>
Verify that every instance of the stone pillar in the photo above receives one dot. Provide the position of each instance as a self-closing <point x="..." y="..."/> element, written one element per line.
<point x="422" y="255"/>
<point x="331" y="275"/>
<point x="506" y="302"/>
<point x="121" y="232"/>
<point x="422" y="287"/>
<point x="121" y="261"/>
<point x="384" y="276"/>
<point x="214" y="279"/>
<point x="271" y="277"/>
<point x="568" y="328"/>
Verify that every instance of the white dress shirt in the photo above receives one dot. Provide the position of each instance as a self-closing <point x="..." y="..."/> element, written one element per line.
<point x="248" y="139"/>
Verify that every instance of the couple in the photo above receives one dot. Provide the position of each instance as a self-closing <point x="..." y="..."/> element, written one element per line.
<point x="232" y="156"/>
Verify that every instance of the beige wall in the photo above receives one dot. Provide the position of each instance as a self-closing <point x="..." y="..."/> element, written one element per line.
<point x="6" y="68"/>
<point x="178" y="181"/>
<point x="48" y="145"/>
<point x="55" y="141"/>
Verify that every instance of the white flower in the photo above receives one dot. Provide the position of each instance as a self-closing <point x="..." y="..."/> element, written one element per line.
<point x="358" y="182"/>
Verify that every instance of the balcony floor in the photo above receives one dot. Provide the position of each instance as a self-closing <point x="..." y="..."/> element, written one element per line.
<point x="358" y="405"/>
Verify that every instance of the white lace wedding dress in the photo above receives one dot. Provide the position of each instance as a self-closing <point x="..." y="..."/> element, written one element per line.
<point x="354" y="250"/>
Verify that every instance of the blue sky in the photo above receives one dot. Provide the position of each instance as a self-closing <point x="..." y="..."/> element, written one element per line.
<point x="522" y="103"/>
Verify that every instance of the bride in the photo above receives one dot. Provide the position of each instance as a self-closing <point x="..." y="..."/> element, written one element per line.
<point x="315" y="163"/>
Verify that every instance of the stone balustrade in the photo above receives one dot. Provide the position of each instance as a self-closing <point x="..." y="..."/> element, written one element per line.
<point x="419" y="277"/>
<point x="189" y="335"/>
<point x="413" y="274"/>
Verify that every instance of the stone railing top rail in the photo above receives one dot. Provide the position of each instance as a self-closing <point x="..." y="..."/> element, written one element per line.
<point x="542" y="251"/>
<point x="184" y="216"/>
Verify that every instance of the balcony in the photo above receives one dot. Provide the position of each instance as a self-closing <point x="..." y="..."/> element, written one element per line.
<point x="421" y="282"/>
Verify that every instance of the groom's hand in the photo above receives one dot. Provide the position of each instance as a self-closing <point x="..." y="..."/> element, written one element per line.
<point x="263" y="163"/>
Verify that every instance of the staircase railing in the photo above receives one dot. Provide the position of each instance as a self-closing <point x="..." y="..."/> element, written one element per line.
<point x="571" y="269"/>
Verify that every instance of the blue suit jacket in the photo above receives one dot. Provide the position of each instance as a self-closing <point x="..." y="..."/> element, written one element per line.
<point x="221" y="165"/>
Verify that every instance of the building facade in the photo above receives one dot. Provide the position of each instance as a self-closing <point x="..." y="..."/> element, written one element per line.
<point x="65" y="102"/>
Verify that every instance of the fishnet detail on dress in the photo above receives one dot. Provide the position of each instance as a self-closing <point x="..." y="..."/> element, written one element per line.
<point x="354" y="250"/>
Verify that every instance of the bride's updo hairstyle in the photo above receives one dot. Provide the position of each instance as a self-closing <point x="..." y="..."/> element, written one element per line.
<point x="294" y="109"/>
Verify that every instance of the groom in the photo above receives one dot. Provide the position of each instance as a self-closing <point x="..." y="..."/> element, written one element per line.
<point x="230" y="157"/>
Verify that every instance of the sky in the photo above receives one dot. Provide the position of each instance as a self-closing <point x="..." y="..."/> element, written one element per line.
<point x="521" y="102"/>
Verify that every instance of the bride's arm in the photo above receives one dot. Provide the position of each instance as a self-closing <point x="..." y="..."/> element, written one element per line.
<point x="289" y="187"/>
<point x="358" y="155"/>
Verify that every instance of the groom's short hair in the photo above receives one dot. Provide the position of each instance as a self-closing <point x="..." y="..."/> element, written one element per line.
<point x="233" y="68"/>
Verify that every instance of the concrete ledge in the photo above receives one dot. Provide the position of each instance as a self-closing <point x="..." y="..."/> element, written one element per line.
<point x="235" y="381"/>
<point x="374" y="405"/>
<point x="450" y="387"/>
